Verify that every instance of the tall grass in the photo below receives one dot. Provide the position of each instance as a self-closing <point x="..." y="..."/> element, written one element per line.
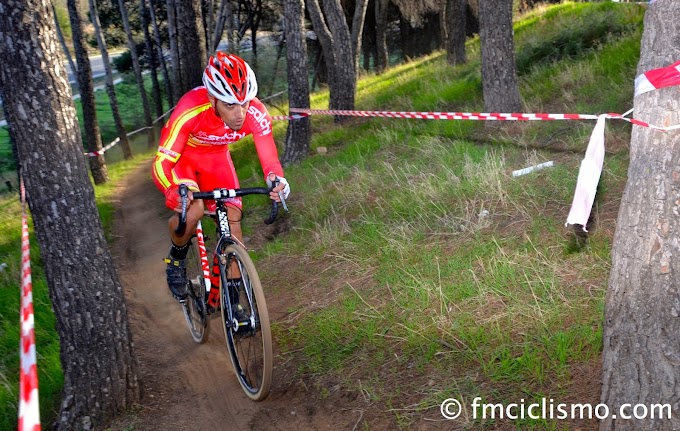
<point x="422" y="269"/>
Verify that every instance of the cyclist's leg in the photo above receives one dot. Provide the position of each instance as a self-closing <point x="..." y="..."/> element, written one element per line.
<point x="194" y="214"/>
<point x="184" y="172"/>
<point x="176" y="266"/>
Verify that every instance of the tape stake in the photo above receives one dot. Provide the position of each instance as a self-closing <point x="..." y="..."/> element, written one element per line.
<point x="525" y="171"/>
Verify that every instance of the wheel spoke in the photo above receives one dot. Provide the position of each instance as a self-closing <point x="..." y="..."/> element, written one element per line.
<point x="194" y="305"/>
<point x="249" y="347"/>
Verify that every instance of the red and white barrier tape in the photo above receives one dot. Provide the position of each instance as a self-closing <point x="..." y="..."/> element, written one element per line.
<point x="658" y="78"/>
<point x="117" y="140"/>
<point x="591" y="166"/>
<point x="29" y="412"/>
<point x="289" y="117"/>
<point x="478" y="116"/>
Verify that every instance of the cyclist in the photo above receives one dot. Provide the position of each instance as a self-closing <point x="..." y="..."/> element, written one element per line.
<point x="194" y="150"/>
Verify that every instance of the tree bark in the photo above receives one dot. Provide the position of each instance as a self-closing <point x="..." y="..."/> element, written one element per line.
<point x="499" y="69"/>
<point x="455" y="34"/>
<point x="344" y="58"/>
<point x="224" y="14"/>
<point x="419" y="41"/>
<point x="177" y="85"/>
<point x="110" y="87"/>
<point x="62" y="41"/>
<point x="208" y="17"/>
<point x="159" y="47"/>
<point x="255" y="25"/>
<point x="138" y="72"/>
<point x="93" y="139"/>
<point x="358" y="30"/>
<point x="299" y="133"/>
<point x="333" y="33"/>
<point x="368" y="45"/>
<point x="153" y="59"/>
<point x="101" y="374"/>
<point x="325" y="39"/>
<point x="382" y="58"/>
<point x="192" y="55"/>
<point x="641" y="353"/>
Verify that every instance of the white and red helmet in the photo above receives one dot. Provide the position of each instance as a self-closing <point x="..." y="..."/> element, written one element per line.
<point x="230" y="79"/>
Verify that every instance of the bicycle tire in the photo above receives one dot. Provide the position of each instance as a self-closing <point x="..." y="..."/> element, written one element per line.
<point x="194" y="306"/>
<point x="250" y="346"/>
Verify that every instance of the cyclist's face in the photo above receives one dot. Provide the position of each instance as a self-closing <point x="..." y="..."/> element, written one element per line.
<point x="233" y="115"/>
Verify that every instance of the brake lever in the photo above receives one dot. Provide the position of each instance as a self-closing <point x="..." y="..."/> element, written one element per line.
<point x="283" y="201"/>
<point x="181" y="227"/>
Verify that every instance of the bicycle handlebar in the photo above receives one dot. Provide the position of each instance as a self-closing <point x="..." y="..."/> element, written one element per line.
<point x="222" y="194"/>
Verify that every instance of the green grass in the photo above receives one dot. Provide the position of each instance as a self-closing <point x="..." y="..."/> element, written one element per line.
<point x="418" y="249"/>
<point x="417" y="267"/>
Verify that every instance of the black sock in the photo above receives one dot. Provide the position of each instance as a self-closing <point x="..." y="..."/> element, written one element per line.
<point x="179" y="252"/>
<point x="233" y="284"/>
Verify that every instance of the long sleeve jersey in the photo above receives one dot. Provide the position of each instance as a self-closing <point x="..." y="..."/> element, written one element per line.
<point x="194" y="123"/>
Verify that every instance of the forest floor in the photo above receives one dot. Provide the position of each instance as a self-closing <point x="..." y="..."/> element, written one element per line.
<point x="187" y="386"/>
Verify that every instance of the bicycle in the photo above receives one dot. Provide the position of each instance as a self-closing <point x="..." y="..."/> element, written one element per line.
<point x="244" y="315"/>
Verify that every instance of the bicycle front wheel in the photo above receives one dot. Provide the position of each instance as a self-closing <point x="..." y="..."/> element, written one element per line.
<point x="246" y="322"/>
<point x="194" y="305"/>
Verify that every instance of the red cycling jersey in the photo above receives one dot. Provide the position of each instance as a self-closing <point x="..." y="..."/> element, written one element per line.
<point x="194" y="145"/>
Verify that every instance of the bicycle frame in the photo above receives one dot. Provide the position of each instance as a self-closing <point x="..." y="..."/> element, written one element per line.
<point x="203" y="254"/>
<point x="246" y="326"/>
<point x="224" y="231"/>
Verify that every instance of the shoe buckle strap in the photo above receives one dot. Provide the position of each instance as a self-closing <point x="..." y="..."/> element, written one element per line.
<point x="172" y="261"/>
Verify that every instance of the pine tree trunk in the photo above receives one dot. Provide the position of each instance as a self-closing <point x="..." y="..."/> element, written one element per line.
<point x="159" y="47"/>
<point x="641" y="355"/>
<point x="368" y="44"/>
<point x="208" y="16"/>
<point x="220" y="24"/>
<point x="101" y="375"/>
<point x="382" y="58"/>
<point x="299" y="134"/>
<point x="191" y="45"/>
<point x="325" y="39"/>
<point x="333" y="33"/>
<point x="138" y="72"/>
<point x="153" y="59"/>
<point x="455" y="37"/>
<point x="358" y="30"/>
<point x="177" y="84"/>
<point x="93" y="139"/>
<point x="62" y="42"/>
<point x="499" y="70"/>
<point x="257" y="17"/>
<point x="110" y="87"/>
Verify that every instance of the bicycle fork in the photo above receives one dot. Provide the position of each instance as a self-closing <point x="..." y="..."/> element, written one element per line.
<point x="250" y="324"/>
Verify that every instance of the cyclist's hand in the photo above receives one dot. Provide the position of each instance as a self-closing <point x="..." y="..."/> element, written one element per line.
<point x="283" y="187"/>
<point x="173" y="200"/>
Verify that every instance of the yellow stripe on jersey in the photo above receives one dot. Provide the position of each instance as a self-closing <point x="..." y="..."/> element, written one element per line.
<point x="158" y="169"/>
<point x="179" y="123"/>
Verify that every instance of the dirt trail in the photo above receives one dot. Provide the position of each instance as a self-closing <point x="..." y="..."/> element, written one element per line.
<point x="188" y="386"/>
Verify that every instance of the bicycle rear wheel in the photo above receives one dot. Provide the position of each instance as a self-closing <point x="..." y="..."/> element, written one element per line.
<point x="248" y="336"/>
<point x="194" y="305"/>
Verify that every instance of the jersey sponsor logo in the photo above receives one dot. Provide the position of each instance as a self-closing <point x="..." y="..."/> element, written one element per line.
<point x="225" y="139"/>
<point x="168" y="152"/>
<point x="261" y="119"/>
